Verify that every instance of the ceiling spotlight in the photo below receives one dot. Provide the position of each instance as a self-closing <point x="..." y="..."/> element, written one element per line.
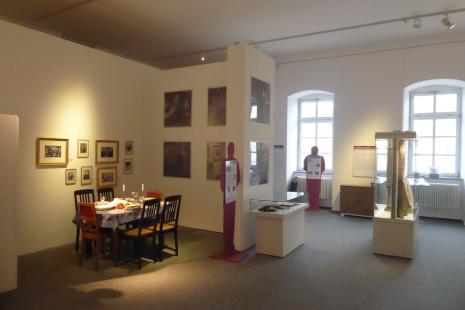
<point x="202" y="58"/>
<point x="446" y="22"/>
<point x="417" y="23"/>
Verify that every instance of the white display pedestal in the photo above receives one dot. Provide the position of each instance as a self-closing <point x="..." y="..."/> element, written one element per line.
<point x="394" y="237"/>
<point x="278" y="234"/>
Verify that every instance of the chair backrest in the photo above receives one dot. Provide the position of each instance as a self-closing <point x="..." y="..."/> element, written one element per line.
<point x="83" y="195"/>
<point x="158" y="195"/>
<point x="170" y="213"/>
<point x="88" y="218"/>
<point x="106" y="192"/>
<point x="150" y="214"/>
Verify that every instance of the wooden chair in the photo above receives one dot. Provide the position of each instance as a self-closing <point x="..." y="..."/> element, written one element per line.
<point x="154" y="194"/>
<point x="90" y="230"/>
<point x="106" y="192"/>
<point x="82" y="195"/>
<point x="168" y="223"/>
<point x="149" y="216"/>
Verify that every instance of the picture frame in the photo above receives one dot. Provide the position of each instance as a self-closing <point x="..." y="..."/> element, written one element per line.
<point x="52" y="152"/>
<point x="216" y="154"/>
<point x="86" y="175"/>
<point x="106" y="151"/>
<point x="128" y="147"/>
<point x="107" y="176"/>
<point x="82" y="148"/>
<point x="127" y="166"/>
<point x="70" y="176"/>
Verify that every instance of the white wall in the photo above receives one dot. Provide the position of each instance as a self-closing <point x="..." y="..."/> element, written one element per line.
<point x="245" y="62"/>
<point x="202" y="204"/>
<point x="9" y="140"/>
<point x="368" y="92"/>
<point x="65" y="90"/>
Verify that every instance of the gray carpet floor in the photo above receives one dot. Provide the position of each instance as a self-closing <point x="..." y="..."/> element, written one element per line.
<point x="334" y="269"/>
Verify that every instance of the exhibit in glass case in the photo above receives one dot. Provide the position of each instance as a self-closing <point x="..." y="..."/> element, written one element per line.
<point x="280" y="226"/>
<point x="395" y="214"/>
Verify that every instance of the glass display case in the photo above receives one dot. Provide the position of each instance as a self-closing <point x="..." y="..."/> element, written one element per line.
<point x="280" y="226"/>
<point x="394" y="197"/>
<point x="274" y="206"/>
<point x="396" y="213"/>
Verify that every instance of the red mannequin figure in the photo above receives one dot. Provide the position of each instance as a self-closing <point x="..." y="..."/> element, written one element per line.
<point x="314" y="165"/>
<point x="229" y="190"/>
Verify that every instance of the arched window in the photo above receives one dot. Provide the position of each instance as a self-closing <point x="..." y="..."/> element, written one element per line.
<point x="434" y="112"/>
<point x="315" y="116"/>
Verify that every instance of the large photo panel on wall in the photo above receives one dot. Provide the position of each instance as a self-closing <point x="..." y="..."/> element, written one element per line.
<point x="260" y="102"/>
<point x="177" y="159"/>
<point x="215" y="157"/>
<point x="259" y="163"/>
<point x="217" y="106"/>
<point x="178" y="109"/>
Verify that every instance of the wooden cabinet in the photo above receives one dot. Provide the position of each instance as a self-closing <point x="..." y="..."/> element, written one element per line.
<point x="357" y="200"/>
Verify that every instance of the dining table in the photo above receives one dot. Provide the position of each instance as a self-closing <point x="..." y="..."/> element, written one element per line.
<point x="112" y="215"/>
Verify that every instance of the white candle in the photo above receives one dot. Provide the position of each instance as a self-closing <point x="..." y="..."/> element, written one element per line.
<point x="124" y="187"/>
<point x="142" y="187"/>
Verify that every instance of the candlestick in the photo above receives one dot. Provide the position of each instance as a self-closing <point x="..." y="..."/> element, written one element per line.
<point x="124" y="187"/>
<point x="142" y="187"/>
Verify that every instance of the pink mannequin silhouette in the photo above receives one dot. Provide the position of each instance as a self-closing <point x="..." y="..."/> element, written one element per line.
<point x="314" y="182"/>
<point x="229" y="252"/>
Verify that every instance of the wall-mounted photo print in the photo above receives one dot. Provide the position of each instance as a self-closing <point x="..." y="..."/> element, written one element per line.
<point x="215" y="159"/>
<point x="178" y="109"/>
<point x="52" y="152"/>
<point x="128" y="147"/>
<point x="83" y="148"/>
<point x="127" y="166"/>
<point x="260" y="102"/>
<point x="177" y="159"/>
<point x="217" y="106"/>
<point x="86" y="175"/>
<point x="259" y="163"/>
<point x="106" y="177"/>
<point x="70" y="176"/>
<point x="106" y="151"/>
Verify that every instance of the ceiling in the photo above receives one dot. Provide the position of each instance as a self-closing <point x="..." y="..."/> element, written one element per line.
<point x="174" y="33"/>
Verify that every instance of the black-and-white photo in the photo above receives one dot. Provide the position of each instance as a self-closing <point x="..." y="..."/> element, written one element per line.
<point x="128" y="147"/>
<point x="260" y="102"/>
<point x="83" y="148"/>
<point x="106" y="151"/>
<point x="178" y="109"/>
<point x="107" y="177"/>
<point x="127" y="166"/>
<point x="52" y="151"/>
<point x="259" y="163"/>
<point x="86" y="175"/>
<point x="217" y="106"/>
<point x="70" y="176"/>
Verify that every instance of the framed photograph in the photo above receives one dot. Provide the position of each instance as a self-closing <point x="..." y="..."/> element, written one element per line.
<point x="106" y="152"/>
<point x="217" y="106"/>
<point x="216" y="154"/>
<point x="83" y="148"/>
<point x="51" y="152"/>
<point x="106" y="176"/>
<point x="128" y="147"/>
<point x="127" y="166"/>
<point x="86" y="175"/>
<point x="177" y="159"/>
<point x="178" y="109"/>
<point x="70" y="176"/>
<point x="259" y="163"/>
<point x="260" y="102"/>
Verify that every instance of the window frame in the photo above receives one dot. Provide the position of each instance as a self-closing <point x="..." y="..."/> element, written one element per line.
<point x="437" y="90"/>
<point x="315" y="120"/>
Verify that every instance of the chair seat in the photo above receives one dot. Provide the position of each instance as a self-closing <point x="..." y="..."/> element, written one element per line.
<point x="165" y="227"/>
<point x="134" y="232"/>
